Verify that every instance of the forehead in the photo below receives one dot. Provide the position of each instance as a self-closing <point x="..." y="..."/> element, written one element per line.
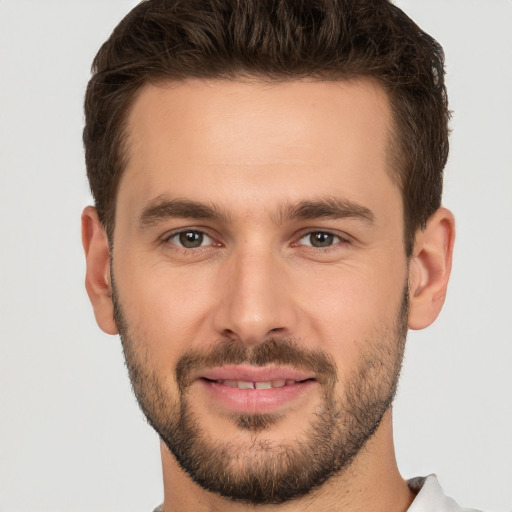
<point x="207" y="138"/>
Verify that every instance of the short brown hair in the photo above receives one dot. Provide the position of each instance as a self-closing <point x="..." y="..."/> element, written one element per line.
<point x="275" y="40"/>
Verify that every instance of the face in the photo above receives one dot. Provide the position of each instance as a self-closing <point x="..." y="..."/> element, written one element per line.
<point x="260" y="279"/>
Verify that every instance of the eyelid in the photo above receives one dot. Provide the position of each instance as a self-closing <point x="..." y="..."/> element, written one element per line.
<point x="169" y="235"/>
<point x="308" y="236"/>
<point x="342" y="237"/>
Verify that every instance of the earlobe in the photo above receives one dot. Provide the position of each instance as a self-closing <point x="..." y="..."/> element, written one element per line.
<point x="97" y="280"/>
<point x="430" y="269"/>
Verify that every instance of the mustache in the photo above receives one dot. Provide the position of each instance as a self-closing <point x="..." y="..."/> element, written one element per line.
<point x="273" y="351"/>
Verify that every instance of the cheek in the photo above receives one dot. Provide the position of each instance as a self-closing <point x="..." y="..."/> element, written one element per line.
<point x="345" y="309"/>
<point x="165" y="310"/>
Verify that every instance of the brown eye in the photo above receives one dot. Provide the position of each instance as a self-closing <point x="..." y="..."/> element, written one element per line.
<point x="320" y="239"/>
<point x="190" y="239"/>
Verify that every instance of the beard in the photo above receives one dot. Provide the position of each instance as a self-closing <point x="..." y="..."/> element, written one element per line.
<point x="261" y="471"/>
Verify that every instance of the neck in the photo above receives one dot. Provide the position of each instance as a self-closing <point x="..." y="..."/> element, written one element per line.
<point x="371" y="482"/>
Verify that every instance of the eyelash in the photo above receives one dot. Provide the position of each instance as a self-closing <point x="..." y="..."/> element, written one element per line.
<point x="174" y="235"/>
<point x="335" y="240"/>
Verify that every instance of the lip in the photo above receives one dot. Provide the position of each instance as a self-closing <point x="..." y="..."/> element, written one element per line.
<point x="254" y="373"/>
<point x="254" y="401"/>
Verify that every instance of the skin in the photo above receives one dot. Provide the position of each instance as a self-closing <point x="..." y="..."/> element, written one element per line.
<point x="252" y="149"/>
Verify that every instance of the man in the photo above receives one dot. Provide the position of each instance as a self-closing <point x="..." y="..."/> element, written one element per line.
<point x="267" y="226"/>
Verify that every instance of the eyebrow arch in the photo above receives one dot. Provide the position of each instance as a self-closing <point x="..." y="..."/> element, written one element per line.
<point x="325" y="207"/>
<point x="161" y="209"/>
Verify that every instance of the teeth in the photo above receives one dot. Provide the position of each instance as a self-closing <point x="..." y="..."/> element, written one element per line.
<point x="263" y="385"/>
<point x="241" y="384"/>
<point x="245" y="385"/>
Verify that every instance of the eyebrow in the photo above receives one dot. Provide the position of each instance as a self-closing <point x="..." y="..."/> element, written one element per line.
<point x="161" y="209"/>
<point x="325" y="207"/>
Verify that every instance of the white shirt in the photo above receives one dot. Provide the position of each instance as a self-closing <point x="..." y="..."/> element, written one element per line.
<point x="431" y="498"/>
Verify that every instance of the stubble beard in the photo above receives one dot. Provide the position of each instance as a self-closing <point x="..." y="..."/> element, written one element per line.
<point x="260" y="471"/>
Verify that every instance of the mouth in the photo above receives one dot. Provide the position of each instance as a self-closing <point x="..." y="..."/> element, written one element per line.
<point x="244" y="384"/>
<point x="255" y="390"/>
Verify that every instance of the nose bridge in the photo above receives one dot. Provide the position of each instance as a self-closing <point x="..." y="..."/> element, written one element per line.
<point x="255" y="301"/>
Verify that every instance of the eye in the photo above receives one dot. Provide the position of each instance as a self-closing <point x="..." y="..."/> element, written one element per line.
<point x="190" y="239"/>
<point x="320" y="239"/>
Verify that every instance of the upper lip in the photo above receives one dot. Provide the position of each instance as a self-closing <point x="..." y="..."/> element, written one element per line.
<point x="254" y="373"/>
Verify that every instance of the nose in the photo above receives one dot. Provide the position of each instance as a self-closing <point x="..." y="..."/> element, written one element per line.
<point x="255" y="299"/>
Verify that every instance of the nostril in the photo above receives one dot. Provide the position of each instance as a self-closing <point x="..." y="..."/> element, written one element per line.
<point x="231" y="335"/>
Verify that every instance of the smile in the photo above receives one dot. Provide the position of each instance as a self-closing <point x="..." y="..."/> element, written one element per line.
<point x="241" y="384"/>
<point x="247" y="389"/>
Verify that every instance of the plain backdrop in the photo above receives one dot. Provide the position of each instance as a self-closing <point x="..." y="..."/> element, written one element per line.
<point x="71" y="435"/>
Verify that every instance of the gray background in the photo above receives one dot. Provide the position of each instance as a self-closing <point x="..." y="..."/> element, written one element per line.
<point x="71" y="435"/>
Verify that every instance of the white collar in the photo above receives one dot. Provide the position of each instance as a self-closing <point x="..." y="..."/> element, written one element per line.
<point x="431" y="498"/>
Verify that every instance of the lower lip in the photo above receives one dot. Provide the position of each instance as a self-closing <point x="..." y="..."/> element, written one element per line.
<point x="255" y="401"/>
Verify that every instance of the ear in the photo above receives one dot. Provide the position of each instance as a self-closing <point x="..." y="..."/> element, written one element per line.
<point x="97" y="279"/>
<point x="430" y="269"/>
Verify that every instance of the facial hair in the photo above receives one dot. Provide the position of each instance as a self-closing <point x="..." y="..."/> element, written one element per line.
<point x="262" y="472"/>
